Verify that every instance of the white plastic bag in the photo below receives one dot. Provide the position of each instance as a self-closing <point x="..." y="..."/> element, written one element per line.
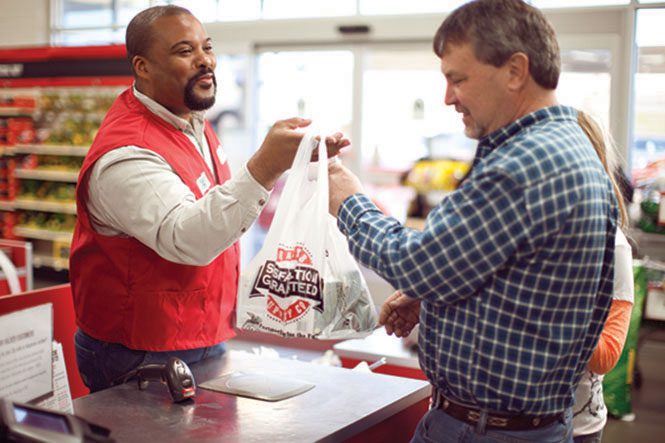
<point x="304" y="282"/>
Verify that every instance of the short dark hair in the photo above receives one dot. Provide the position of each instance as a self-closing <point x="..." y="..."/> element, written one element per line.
<point x="138" y="37"/>
<point x="497" y="29"/>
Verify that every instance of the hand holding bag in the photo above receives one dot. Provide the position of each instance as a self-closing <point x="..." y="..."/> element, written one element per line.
<point x="304" y="282"/>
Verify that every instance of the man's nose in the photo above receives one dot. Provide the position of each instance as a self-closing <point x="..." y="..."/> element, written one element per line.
<point x="206" y="60"/>
<point x="449" y="97"/>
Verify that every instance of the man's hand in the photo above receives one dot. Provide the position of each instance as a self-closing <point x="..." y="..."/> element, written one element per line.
<point x="279" y="148"/>
<point x="342" y="184"/>
<point x="334" y="144"/>
<point x="400" y="314"/>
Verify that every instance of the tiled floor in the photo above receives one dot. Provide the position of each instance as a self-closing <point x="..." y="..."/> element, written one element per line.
<point x="648" y="401"/>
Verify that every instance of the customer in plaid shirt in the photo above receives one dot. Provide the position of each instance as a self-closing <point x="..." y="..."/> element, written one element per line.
<point x="511" y="277"/>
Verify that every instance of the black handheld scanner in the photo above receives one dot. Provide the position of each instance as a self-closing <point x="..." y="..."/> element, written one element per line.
<point x="175" y="374"/>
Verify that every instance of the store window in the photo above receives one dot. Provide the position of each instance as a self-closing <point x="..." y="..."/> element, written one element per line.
<point x="232" y="10"/>
<point x="316" y="84"/>
<point x="576" y="3"/>
<point x="88" y="37"/>
<point x="585" y="82"/>
<point x="79" y="13"/>
<point x="648" y="144"/>
<point x="369" y="7"/>
<point x="84" y="22"/>
<point x="404" y="117"/>
<point x="307" y="8"/>
<point x="204" y="10"/>
<point x="311" y="84"/>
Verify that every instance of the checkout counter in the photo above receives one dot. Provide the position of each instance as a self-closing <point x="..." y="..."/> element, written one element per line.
<point x="344" y="405"/>
<point x="400" y="359"/>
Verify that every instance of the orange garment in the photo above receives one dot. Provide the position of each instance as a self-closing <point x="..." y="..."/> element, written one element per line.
<point x="612" y="337"/>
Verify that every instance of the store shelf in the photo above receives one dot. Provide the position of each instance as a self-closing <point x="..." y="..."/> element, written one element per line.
<point x="647" y="237"/>
<point x="6" y="111"/>
<point x="6" y="205"/>
<point x="43" y="234"/>
<point x="74" y="151"/>
<point x="649" y="244"/>
<point x="47" y="174"/>
<point x="59" y="264"/>
<point x="7" y="150"/>
<point x="38" y="205"/>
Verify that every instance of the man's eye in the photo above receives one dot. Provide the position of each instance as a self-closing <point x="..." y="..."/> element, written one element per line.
<point x="185" y="51"/>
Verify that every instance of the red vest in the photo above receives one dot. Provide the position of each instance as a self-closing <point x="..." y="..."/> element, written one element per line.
<point x="123" y="291"/>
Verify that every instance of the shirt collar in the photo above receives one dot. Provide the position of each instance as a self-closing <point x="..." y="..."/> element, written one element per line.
<point x="490" y="142"/>
<point x="196" y="128"/>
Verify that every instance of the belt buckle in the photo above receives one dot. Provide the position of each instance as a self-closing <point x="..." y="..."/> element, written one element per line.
<point x="473" y="416"/>
<point x="497" y="422"/>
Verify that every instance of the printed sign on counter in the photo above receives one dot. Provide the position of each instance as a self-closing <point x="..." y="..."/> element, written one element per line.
<point x="61" y="399"/>
<point x="25" y="353"/>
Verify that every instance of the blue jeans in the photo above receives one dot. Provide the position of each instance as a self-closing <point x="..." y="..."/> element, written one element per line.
<point x="103" y="364"/>
<point x="437" y="426"/>
<point x="596" y="437"/>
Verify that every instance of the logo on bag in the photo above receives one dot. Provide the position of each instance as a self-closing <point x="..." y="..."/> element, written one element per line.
<point x="281" y="284"/>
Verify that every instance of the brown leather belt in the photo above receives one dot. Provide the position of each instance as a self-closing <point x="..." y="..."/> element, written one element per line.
<point x="472" y="416"/>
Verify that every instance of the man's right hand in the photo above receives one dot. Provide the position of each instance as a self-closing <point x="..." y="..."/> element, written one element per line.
<point x="400" y="314"/>
<point x="279" y="148"/>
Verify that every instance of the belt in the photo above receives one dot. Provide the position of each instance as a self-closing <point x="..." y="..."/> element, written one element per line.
<point x="473" y="416"/>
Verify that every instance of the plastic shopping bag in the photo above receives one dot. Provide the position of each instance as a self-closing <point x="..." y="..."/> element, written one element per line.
<point x="304" y="282"/>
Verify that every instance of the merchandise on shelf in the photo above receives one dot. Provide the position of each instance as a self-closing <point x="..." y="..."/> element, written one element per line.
<point x="7" y="223"/>
<point x="48" y="191"/>
<point x="50" y="111"/>
<point x="432" y="179"/>
<point x="71" y="116"/>
<point x="60" y="163"/>
<point x="650" y="182"/>
<point x="8" y="184"/>
<point x="16" y="125"/>
<point x="436" y="175"/>
<point x="47" y="220"/>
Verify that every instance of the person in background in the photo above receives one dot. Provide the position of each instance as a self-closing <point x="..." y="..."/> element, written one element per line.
<point x="590" y="413"/>
<point x="511" y="278"/>
<point x="154" y="258"/>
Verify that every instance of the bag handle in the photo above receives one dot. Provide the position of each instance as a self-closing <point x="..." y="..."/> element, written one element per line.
<point x="296" y="179"/>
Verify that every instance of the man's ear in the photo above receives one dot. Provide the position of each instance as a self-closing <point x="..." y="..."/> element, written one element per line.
<point x="140" y="65"/>
<point x="518" y="71"/>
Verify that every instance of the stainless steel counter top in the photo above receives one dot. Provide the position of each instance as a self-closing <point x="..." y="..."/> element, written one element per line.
<point x="342" y="404"/>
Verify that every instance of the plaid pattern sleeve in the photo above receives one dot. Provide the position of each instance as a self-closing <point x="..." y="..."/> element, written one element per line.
<point x="514" y="269"/>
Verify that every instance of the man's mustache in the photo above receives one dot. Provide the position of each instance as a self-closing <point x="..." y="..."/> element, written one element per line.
<point x="201" y="74"/>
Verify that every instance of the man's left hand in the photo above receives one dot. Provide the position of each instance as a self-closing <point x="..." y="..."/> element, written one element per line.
<point x="399" y="314"/>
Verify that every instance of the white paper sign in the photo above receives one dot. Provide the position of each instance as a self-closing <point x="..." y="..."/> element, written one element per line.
<point x="61" y="400"/>
<point x="25" y="353"/>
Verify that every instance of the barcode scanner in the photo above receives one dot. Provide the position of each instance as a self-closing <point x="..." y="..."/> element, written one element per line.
<point x="174" y="373"/>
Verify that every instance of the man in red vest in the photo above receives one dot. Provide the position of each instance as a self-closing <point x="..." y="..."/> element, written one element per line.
<point x="154" y="259"/>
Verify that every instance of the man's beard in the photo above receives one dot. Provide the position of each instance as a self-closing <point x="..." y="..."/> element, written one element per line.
<point x="196" y="103"/>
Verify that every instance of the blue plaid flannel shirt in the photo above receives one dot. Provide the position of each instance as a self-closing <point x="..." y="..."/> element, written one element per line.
<point x="514" y="269"/>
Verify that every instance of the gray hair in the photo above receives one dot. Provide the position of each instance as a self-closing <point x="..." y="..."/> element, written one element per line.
<point x="497" y="29"/>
